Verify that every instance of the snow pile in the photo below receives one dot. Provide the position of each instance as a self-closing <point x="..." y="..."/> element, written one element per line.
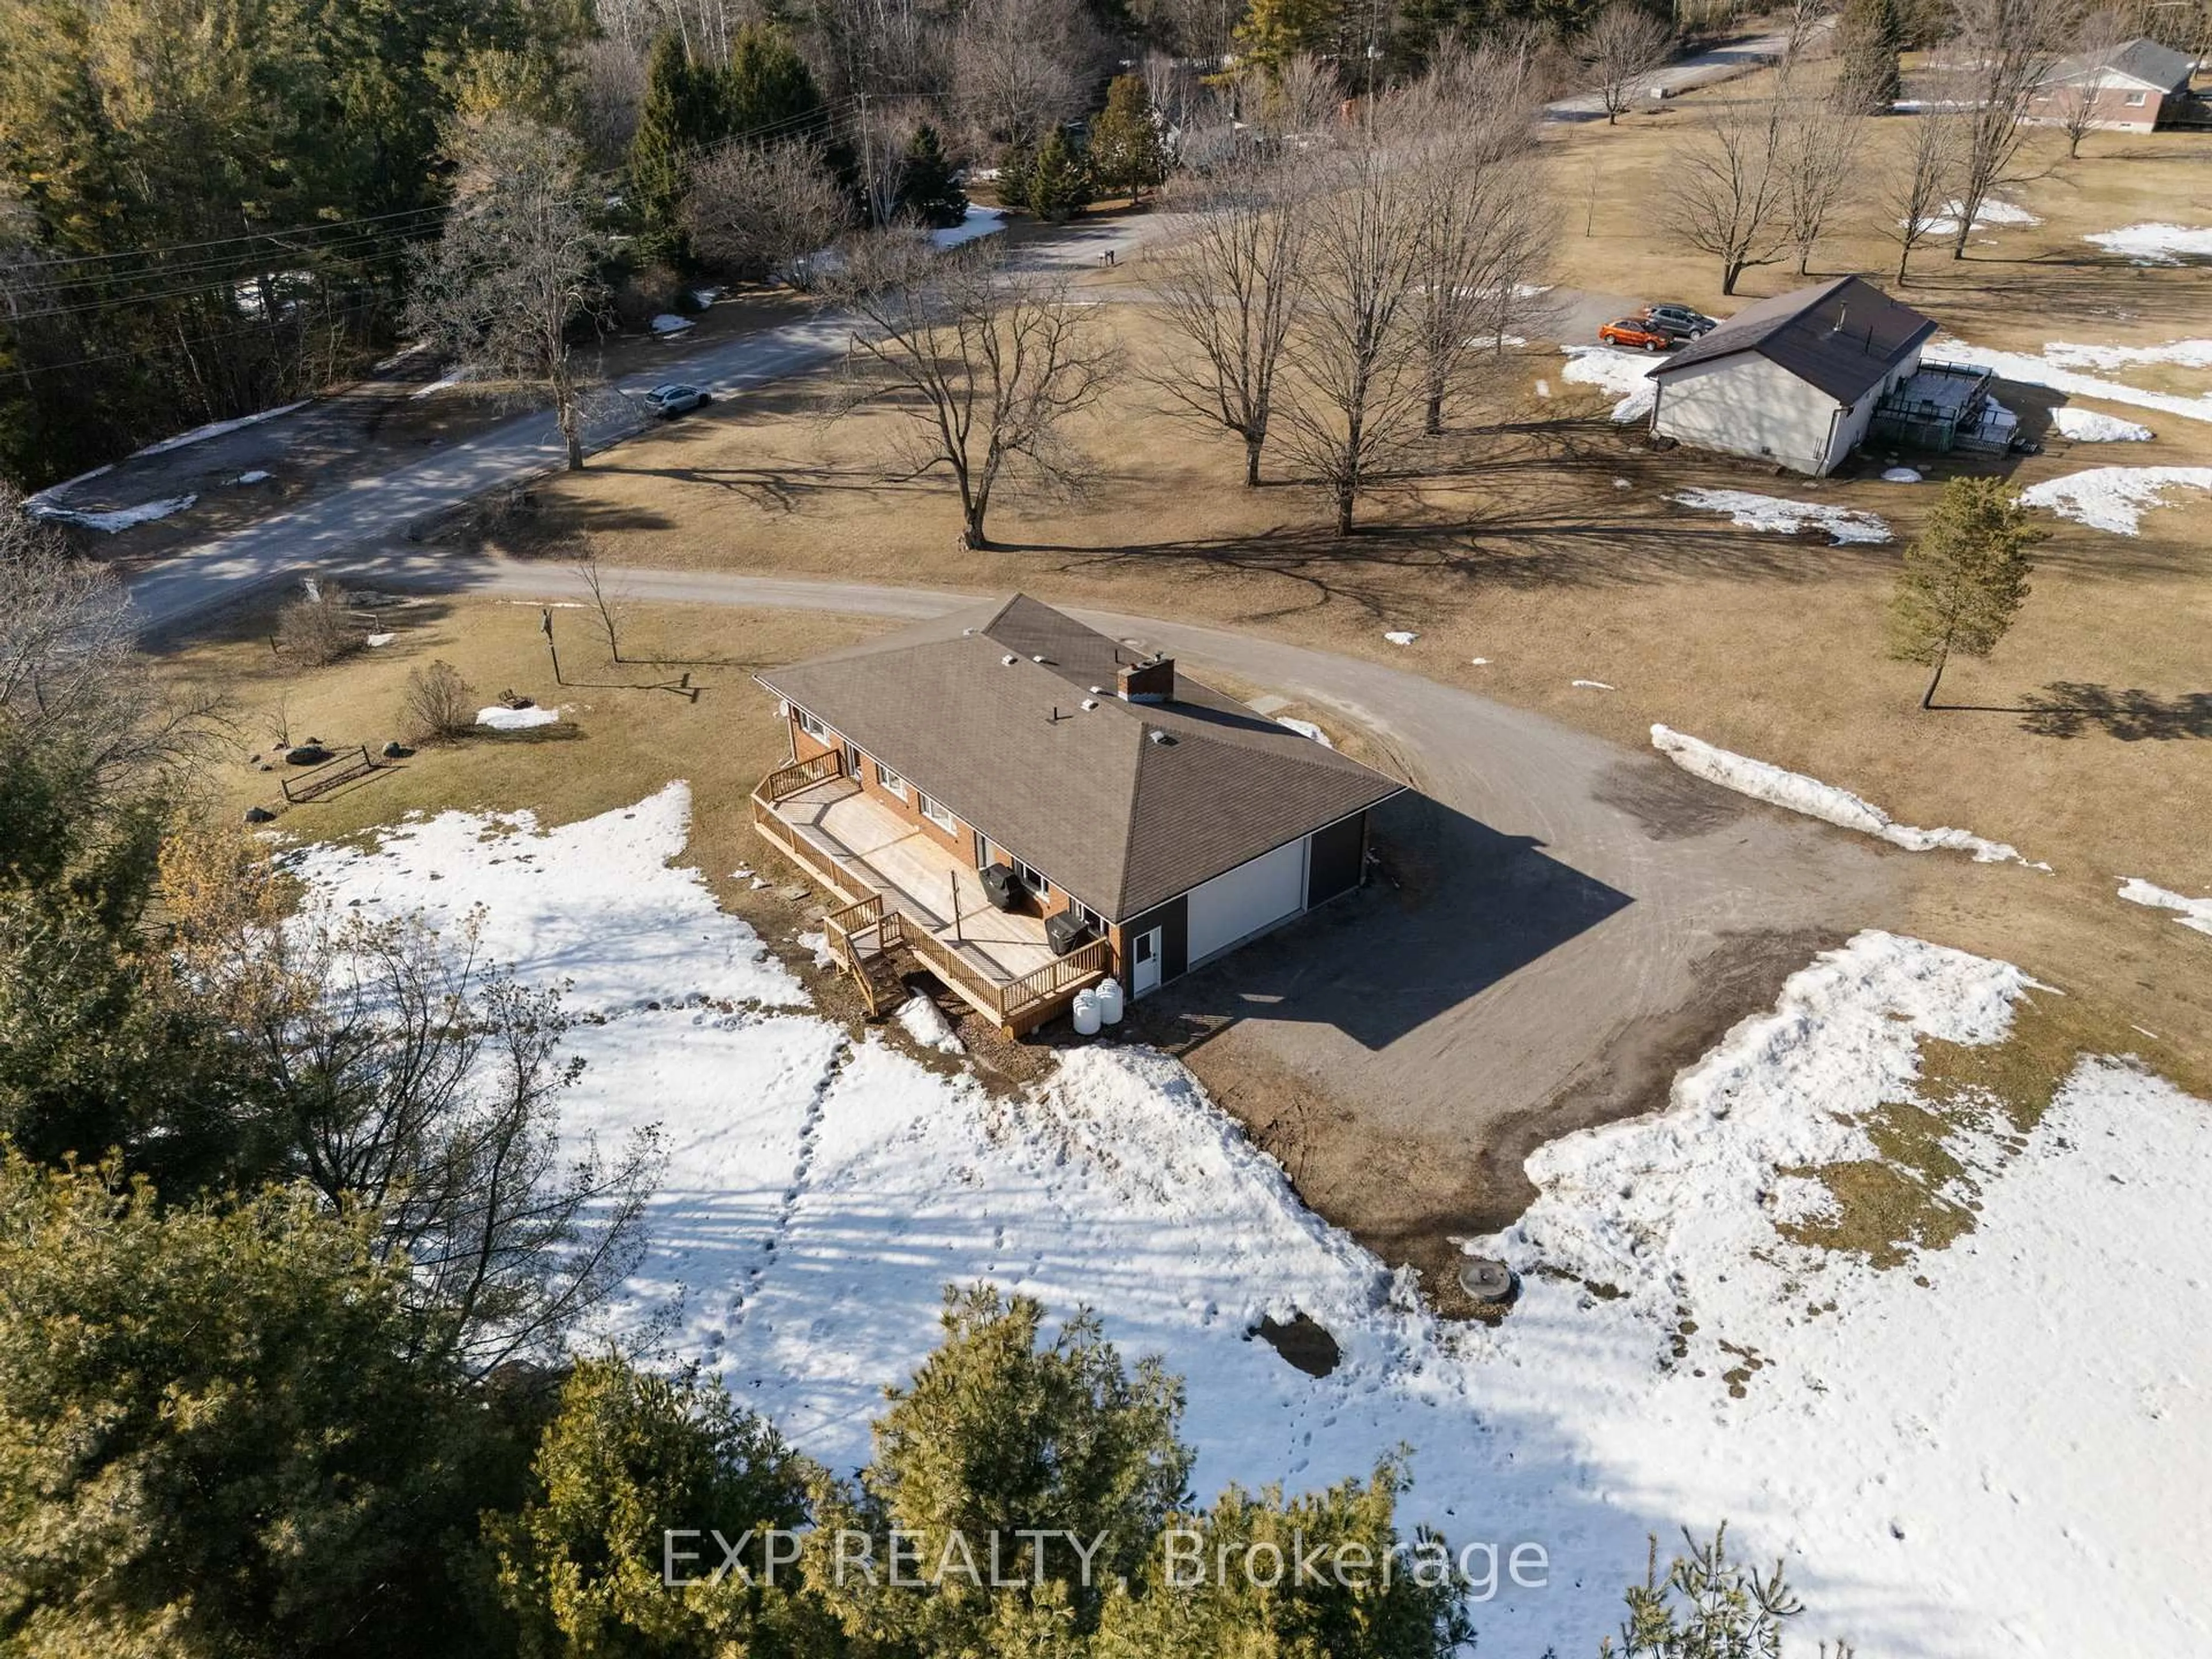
<point x="2087" y="426"/>
<point x="1796" y="792"/>
<point x="1623" y="373"/>
<point x="500" y="718"/>
<point x="256" y="476"/>
<point x="2037" y="371"/>
<point x="109" y="522"/>
<point x="2186" y="354"/>
<point x="460" y="376"/>
<point x="375" y="639"/>
<point x="2155" y="244"/>
<point x="1305" y="729"/>
<point x="668" y="325"/>
<point x="821" y="1193"/>
<point x="2195" y="912"/>
<point x="2114" y="498"/>
<point x="1900" y="475"/>
<point x="1591" y="685"/>
<point x="1401" y="635"/>
<point x="925" y="1022"/>
<point x="217" y="429"/>
<point x="1772" y="512"/>
<point x="980" y="221"/>
<point x="1946" y="224"/>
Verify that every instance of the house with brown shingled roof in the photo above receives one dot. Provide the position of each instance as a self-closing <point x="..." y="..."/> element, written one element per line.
<point x="1027" y="806"/>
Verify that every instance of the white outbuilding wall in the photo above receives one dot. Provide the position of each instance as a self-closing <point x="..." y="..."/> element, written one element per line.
<point x="1748" y="404"/>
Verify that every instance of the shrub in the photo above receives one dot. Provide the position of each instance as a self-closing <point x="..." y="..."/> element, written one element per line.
<point x="317" y="627"/>
<point x="435" y="706"/>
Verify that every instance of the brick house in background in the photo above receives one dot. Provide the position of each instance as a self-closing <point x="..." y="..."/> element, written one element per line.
<point x="1139" y="822"/>
<point x="2130" y="87"/>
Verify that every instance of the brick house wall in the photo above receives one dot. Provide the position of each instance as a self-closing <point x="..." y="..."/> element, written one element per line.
<point x="2112" y="109"/>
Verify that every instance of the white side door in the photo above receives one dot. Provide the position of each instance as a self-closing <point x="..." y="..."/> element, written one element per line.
<point x="1145" y="963"/>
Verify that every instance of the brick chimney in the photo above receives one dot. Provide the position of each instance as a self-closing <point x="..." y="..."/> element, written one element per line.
<point x="1149" y="681"/>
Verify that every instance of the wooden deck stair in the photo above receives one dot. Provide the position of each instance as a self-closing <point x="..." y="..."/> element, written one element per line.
<point x="862" y="938"/>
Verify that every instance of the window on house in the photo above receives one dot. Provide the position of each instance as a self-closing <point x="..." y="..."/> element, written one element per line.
<point x="1089" y="917"/>
<point x="1031" y="879"/>
<point x="813" y="728"/>
<point x="936" y="814"/>
<point x="2136" y="99"/>
<point x="891" y="780"/>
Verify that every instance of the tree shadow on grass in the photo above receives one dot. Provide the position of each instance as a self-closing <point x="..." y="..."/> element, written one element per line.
<point x="2070" y="709"/>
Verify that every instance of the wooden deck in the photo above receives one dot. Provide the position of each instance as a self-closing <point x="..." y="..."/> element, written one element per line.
<point x="898" y="885"/>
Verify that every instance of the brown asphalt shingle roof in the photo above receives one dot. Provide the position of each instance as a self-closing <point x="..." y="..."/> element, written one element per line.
<point x="1842" y="336"/>
<point x="1090" y="799"/>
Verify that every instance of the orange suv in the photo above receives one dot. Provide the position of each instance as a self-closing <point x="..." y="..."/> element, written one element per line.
<point x="1635" y="331"/>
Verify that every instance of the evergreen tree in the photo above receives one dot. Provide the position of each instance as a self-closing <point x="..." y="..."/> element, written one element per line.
<point x="998" y="1435"/>
<point x="633" y="1477"/>
<point x="211" y="1439"/>
<point x="683" y="108"/>
<point x="767" y="91"/>
<point x="1127" y="157"/>
<point x="1965" y="577"/>
<point x="1707" y="1606"/>
<point x="928" y="193"/>
<point x="1871" y="34"/>
<point x="1059" y="182"/>
<point x="1275" y="31"/>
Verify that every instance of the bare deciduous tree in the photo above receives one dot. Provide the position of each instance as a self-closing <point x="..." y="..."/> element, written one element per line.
<point x="2073" y="103"/>
<point x="1622" y="45"/>
<point x="610" y="83"/>
<point x="1915" y="184"/>
<point x="1731" y="194"/>
<point x="984" y="364"/>
<point x="765" y="210"/>
<point x="317" y="627"/>
<point x="610" y="601"/>
<point x="423" y="1085"/>
<point x="2001" y="50"/>
<point x="1357" y="389"/>
<point x="1484" y="221"/>
<point x="1227" y="290"/>
<point x="1819" y="158"/>
<point x="1022" y="67"/>
<point x="516" y="266"/>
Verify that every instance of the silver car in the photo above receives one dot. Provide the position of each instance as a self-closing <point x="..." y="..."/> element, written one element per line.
<point x="673" y="397"/>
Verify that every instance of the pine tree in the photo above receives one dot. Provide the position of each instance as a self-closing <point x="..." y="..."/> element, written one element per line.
<point x="1871" y="34"/>
<point x="1059" y="182"/>
<point x="681" y="111"/>
<point x="1127" y="157"/>
<point x="1965" y="577"/>
<point x="768" y="93"/>
<point x="632" y="1478"/>
<point x="928" y="193"/>
<point x="1275" y="31"/>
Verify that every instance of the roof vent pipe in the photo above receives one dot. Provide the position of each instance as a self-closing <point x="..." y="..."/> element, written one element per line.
<point x="1010" y="659"/>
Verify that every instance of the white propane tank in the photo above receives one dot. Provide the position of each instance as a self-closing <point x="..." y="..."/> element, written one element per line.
<point x="1110" y="1001"/>
<point x="1086" y="1014"/>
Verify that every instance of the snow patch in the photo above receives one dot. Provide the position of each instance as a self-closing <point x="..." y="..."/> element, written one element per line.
<point x="1402" y="636"/>
<point x="1946" y="224"/>
<point x="1305" y="729"/>
<point x="925" y="1022"/>
<point x="109" y="522"/>
<point x="217" y="429"/>
<point x="2155" y="244"/>
<point x="668" y="325"/>
<point x="2187" y="353"/>
<point x="2037" y="371"/>
<point x="979" y="221"/>
<point x="375" y="639"/>
<point x="1592" y="685"/>
<point x="2087" y="426"/>
<point x="1772" y="512"/>
<point x="256" y="475"/>
<point x="2114" y="498"/>
<point x="1900" y="475"/>
<point x="460" y="376"/>
<point x="1796" y="792"/>
<point x="1625" y="375"/>
<point x="500" y="718"/>
<point x="2195" y="912"/>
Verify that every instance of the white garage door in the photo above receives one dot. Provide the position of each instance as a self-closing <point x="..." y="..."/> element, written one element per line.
<point x="1246" y="899"/>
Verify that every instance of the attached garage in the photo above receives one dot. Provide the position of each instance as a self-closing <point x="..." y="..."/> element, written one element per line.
<point x="1239" y="902"/>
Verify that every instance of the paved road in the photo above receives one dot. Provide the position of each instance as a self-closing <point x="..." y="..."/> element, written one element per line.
<point x="1578" y="920"/>
<point x="339" y="523"/>
<point x="1685" y="75"/>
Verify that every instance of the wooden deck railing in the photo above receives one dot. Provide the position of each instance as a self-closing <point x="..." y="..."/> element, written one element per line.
<point x="865" y="924"/>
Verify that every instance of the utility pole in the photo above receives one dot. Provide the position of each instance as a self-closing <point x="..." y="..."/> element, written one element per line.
<point x="546" y="627"/>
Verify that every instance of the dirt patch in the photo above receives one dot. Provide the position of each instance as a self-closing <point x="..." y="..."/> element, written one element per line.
<point x="1301" y="1343"/>
<point x="1670" y="803"/>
